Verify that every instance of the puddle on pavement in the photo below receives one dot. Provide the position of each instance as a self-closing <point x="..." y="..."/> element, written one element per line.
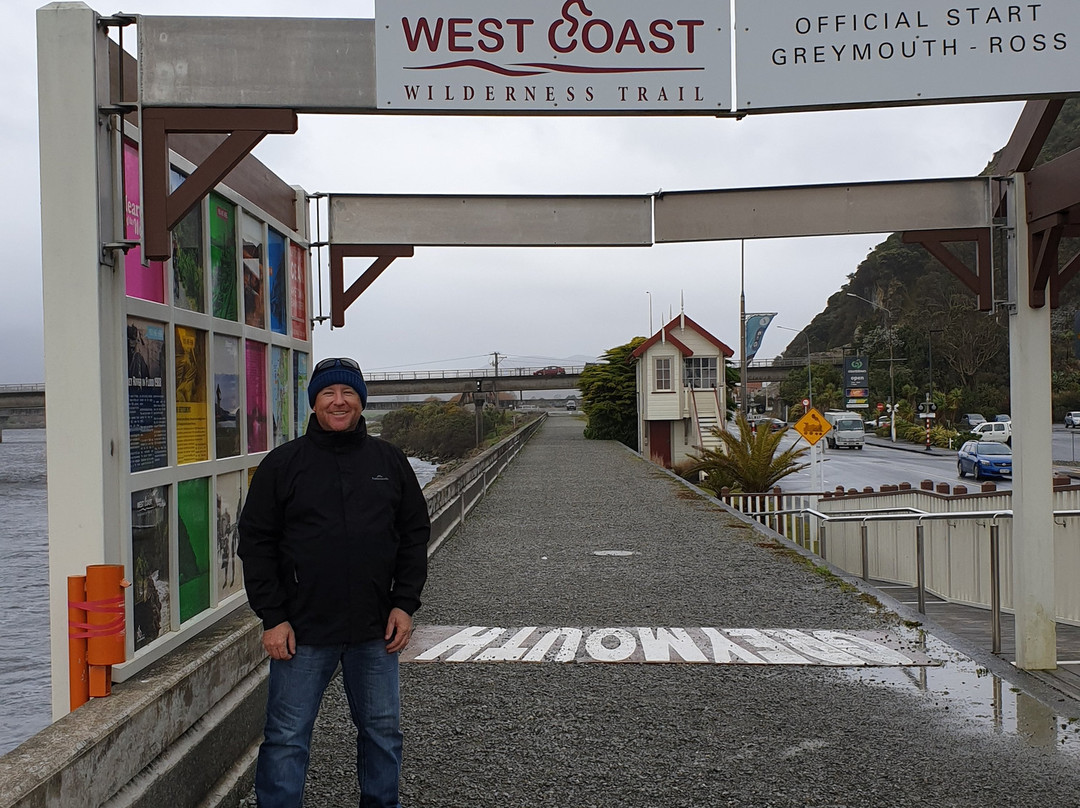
<point x="977" y="698"/>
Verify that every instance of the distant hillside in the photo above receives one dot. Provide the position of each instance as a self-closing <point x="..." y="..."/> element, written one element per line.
<point x="969" y="348"/>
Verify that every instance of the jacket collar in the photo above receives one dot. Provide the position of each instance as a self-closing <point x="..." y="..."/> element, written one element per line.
<point x="326" y="438"/>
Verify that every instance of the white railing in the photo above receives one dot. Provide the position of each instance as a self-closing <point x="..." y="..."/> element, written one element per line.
<point x="959" y="548"/>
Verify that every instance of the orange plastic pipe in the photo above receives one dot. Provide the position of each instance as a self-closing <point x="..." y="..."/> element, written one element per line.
<point x="78" y="675"/>
<point x="105" y="616"/>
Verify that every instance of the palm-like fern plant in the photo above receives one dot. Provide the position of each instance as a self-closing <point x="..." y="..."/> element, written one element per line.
<point x="747" y="461"/>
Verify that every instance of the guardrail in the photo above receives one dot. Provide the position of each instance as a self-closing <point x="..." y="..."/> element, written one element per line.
<point x="22" y="388"/>
<point x="486" y="373"/>
<point x="796" y="518"/>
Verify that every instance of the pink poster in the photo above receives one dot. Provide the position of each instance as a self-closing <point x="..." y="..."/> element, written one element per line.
<point x="255" y="365"/>
<point x="298" y="290"/>
<point x="144" y="282"/>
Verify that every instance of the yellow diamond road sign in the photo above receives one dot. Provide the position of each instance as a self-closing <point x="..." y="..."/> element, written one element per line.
<point x="812" y="426"/>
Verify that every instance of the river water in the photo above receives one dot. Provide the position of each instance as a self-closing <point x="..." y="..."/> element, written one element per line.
<point x="24" y="584"/>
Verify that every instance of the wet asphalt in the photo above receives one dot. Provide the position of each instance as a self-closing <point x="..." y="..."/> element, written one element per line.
<point x="960" y="732"/>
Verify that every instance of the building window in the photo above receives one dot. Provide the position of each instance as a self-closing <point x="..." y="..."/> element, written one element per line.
<point x="663" y="374"/>
<point x="699" y="374"/>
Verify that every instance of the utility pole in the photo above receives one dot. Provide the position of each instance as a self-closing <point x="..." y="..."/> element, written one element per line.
<point x="892" y="362"/>
<point x="495" y="381"/>
<point x="744" y="392"/>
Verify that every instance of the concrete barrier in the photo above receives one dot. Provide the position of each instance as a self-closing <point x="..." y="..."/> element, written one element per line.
<point x="184" y="733"/>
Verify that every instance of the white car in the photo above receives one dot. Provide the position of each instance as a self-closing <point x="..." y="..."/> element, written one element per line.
<point x="999" y="431"/>
<point x="1072" y="419"/>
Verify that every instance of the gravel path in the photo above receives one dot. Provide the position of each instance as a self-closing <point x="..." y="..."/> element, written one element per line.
<point x="654" y="736"/>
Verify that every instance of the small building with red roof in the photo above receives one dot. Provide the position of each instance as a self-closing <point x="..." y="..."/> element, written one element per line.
<point x="681" y="370"/>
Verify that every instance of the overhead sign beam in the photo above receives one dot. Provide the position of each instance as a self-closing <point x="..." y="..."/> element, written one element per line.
<point x="822" y="210"/>
<point x="491" y="221"/>
<point x="615" y="57"/>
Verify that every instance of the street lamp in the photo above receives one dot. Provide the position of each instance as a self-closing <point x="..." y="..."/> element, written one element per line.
<point x="809" y="372"/>
<point x="892" y="380"/>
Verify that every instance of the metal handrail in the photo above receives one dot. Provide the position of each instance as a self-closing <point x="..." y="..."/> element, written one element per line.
<point x="908" y="514"/>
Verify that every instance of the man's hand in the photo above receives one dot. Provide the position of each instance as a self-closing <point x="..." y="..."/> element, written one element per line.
<point x="279" y="641"/>
<point x="398" y="630"/>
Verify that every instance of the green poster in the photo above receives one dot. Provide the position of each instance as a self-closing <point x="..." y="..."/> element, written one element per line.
<point x="193" y="512"/>
<point x="223" y="265"/>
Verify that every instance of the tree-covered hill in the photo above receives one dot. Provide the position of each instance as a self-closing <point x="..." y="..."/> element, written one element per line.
<point x="932" y="317"/>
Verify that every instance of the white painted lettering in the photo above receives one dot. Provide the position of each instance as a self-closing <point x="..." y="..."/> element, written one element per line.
<point x="509" y="651"/>
<point x="568" y="651"/>
<point x="624" y="647"/>
<point x="725" y="651"/>
<point x="468" y="641"/>
<point x="657" y="647"/>
<point x="813" y="647"/>
<point x="869" y="650"/>
<point x="769" y="649"/>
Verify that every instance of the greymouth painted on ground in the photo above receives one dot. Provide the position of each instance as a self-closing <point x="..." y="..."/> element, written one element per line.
<point x="724" y="646"/>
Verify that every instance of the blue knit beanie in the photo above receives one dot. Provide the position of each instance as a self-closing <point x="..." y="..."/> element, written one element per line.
<point x="337" y="373"/>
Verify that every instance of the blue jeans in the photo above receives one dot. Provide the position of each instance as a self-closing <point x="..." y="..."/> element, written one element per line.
<point x="370" y="676"/>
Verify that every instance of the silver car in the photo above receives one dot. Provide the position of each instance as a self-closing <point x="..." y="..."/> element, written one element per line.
<point x="1072" y="419"/>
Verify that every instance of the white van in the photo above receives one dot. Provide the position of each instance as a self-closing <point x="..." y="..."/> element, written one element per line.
<point x="848" y="430"/>
<point x="1000" y="431"/>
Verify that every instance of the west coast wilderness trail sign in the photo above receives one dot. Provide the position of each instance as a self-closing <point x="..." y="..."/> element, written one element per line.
<point x="554" y="55"/>
<point x="830" y="54"/>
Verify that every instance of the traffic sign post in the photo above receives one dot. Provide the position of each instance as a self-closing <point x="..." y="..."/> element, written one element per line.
<point x="813" y="427"/>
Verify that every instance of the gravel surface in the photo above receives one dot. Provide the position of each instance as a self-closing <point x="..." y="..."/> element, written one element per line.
<point x="664" y="735"/>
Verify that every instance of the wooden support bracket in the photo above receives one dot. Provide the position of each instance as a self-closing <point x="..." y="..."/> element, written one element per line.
<point x="244" y="128"/>
<point x="340" y="297"/>
<point x="980" y="279"/>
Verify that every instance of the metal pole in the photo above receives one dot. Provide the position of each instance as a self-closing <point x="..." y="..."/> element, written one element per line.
<point x="865" y="542"/>
<point x="920" y="564"/>
<point x="744" y="393"/>
<point x="995" y="589"/>
<point x="821" y="540"/>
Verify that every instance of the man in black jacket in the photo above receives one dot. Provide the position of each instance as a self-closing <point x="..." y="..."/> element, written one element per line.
<point x="333" y="537"/>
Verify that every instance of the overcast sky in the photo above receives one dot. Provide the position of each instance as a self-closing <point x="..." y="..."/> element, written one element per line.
<point x="455" y="307"/>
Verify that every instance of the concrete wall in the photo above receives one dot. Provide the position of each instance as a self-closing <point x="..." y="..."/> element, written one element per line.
<point x="184" y="733"/>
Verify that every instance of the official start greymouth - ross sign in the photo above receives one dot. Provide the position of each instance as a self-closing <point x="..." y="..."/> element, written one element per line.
<point x="553" y="55"/>
<point x="698" y="645"/>
<point x="806" y="54"/>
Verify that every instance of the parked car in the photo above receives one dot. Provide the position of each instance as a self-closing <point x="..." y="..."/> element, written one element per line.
<point x="1003" y="417"/>
<point x="971" y="420"/>
<point x="984" y="459"/>
<point x="774" y="424"/>
<point x="1072" y="419"/>
<point x="550" y="370"/>
<point x="998" y="431"/>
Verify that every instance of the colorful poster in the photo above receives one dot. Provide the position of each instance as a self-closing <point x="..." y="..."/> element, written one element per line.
<point x="300" y="377"/>
<point x="226" y="396"/>
<point x="255" y="368"/>
<point x="223" y="256"/>
<point x="143" y="282"/>
<point x="279" y="281"/>
<point x="147" y="415"/>
<point x="280" y="388"/>
<point x="192" y="445"/>
<point x="230" y="577"/>
<point x="187" y="257"/>
<point x="298" y="291"/>
<point x="251" y="231"/>
<point x="150" y="563"/>
<point x="193" y="545"/>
